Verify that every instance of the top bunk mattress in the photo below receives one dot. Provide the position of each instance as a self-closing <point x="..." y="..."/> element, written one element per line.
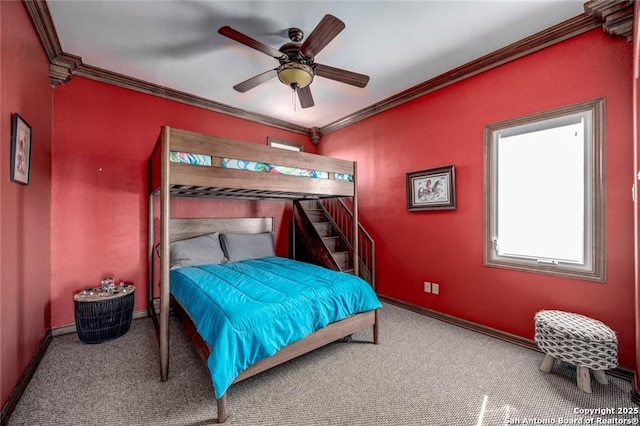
<point x="254" y="166"/>
<point x="247" y="311"/>
<point x="190" y="164"/>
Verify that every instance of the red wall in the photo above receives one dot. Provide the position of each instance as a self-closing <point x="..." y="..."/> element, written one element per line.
<point x="636" y="145"/>
<point x="84" y="213"/>
<point x="103" y="136"/>
<point x="446" y="127"/>
<point x="25" y="227"/>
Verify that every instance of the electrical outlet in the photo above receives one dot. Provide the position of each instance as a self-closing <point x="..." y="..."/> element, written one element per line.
<point x="427" y="287"/>
<point x="435" y="288"/>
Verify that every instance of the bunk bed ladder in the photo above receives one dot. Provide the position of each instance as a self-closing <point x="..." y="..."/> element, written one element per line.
<point x="325" y="229"/>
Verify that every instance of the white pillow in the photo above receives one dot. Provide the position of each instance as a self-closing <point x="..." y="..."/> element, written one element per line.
<point x="202" y="250"/>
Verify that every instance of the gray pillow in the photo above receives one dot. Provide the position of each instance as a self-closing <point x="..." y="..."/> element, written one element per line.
<point x="247" y="246"/>
<point x="202" y="250"/>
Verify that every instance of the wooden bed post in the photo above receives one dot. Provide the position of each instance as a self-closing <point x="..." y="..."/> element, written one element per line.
<point x="356" y="229"/>
<point x="222" y="408"/>
<point x="293" y="230"/>
<point x="150" y="254"/>
<point x="375" y="328"/>
<point x="164" y="258"/>
<point x="356" y="235"/>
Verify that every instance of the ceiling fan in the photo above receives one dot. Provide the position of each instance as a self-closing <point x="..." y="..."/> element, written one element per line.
<point x="297" y="67"/>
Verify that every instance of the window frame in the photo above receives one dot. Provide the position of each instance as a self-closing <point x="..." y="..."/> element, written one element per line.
<point x="594" y="268"/>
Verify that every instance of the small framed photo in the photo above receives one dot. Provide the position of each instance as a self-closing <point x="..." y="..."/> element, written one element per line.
<point x="290" y="146"/>
<point x="20" y="150"/>
<point x="433" y="189"/>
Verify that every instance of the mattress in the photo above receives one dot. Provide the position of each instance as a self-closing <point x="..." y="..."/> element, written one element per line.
<point x="232" y="163"/>
<point x="247" y="311"/>
<point x="190" y="158"/>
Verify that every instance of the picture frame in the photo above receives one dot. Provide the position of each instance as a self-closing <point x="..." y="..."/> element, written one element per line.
<point x="289" y="146"/>
<point x="20" y="150"/>
<point x="432" y="189"/>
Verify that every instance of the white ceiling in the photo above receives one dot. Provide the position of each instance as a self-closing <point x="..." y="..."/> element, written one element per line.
<point x="397" y="43"/>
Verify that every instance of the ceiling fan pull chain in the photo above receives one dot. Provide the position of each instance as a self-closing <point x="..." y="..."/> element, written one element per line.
<point x="293" y="100"/>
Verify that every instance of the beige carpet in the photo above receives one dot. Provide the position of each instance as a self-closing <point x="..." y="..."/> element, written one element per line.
<point x="424" y="372"/>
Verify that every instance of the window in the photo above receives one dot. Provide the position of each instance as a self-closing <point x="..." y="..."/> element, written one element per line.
<point x="545" y="192"/>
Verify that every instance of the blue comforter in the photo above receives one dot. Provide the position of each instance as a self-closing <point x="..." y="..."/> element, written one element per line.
<point x="246" y="311"/>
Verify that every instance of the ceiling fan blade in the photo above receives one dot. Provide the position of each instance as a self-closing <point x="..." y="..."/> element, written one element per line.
<point x="248" y="41"/>
<point x="306" y="100"/>
<point x="254" y="81"/>
<point x="326" y="30"/>
<point x="343" y="76"/>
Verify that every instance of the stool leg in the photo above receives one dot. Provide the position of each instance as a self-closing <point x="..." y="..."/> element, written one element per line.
<point x="547" y="363"/>
<point x="600" y="377"/>
<point x="584" y="379"/>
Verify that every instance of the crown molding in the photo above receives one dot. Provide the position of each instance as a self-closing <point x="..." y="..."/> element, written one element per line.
<point x="616" y="17"/>
<point x="61" y="65"/>
<point x="120" y="80"/>
<point x="563" y="31"/>
<point x="64" y="66"/>
<point x="43" y="24"/>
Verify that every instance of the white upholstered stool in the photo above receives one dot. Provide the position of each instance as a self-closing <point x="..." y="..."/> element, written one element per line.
<point x="578" y="340"/>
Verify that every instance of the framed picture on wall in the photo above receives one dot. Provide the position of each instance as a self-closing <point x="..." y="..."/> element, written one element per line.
<point x="432" y="189"/>
<point x="277" y="143"/>
<point x="20" y="150"/>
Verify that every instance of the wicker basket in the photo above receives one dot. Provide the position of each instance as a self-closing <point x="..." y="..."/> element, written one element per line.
<point x="102" y="320"/>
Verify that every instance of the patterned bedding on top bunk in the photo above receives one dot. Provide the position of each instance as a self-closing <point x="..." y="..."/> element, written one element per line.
<point x="231" y="163"/>
<point x="247" y="310"/>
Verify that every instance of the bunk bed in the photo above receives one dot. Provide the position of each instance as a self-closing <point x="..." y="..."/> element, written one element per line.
<point x="188" y="164"/>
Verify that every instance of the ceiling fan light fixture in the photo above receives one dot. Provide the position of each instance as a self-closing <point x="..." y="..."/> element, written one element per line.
<point x="297" y="68"/>
<point x="295" y="74"/>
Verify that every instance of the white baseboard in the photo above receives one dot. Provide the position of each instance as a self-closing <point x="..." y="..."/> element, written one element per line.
<point x="71" y="328"/>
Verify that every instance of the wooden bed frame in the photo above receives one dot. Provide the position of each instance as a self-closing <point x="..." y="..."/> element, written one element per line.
<point x="168" y="179"/>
